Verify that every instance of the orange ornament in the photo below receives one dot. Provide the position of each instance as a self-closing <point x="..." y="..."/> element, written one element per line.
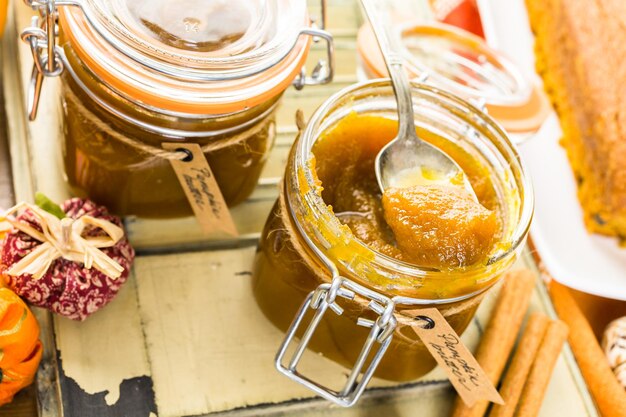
<point x="20" y="347"/>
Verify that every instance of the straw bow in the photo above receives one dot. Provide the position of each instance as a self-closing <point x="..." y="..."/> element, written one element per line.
<point x="63" y="238"/>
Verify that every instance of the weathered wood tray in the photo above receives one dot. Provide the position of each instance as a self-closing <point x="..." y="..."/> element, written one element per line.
<point x="185" y="337"/>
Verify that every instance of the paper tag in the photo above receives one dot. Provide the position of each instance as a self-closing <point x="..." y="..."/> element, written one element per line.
<point x="464" y="372"/>
<point x="201" y="189"/>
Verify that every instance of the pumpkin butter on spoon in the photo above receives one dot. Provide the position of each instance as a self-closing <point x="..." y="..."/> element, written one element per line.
<point x="439" y="226"/>
<point x="432" y="224"/>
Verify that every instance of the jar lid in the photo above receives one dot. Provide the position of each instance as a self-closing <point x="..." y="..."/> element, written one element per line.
<point x="192" y="56"/>
<point x="463" y="64"/>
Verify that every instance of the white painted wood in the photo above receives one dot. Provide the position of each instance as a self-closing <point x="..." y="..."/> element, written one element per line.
<point x="102" y="351"/>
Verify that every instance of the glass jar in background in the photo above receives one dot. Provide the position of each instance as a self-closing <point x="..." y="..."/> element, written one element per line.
<point x="307" y="253"/>
<point x="462" y="63"/>
<point x="137" y="74"/>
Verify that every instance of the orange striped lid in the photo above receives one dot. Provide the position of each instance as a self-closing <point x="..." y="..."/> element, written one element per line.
<point x="191" y="56"/>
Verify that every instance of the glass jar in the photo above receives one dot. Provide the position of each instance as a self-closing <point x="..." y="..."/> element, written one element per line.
<point x="306" y="253"/>
<point x="137" y="74"/>
<point x="462" y="63"/>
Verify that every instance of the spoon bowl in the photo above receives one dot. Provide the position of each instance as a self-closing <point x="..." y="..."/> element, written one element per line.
<point x="408" y="161"/>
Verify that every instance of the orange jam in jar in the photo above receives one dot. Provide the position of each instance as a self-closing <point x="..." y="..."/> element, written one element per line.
<point x="331" y="221"/>
<point x="137" y="74"/>
<point x="434" y="225"/>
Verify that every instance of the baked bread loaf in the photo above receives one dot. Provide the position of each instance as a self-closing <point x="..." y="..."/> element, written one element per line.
<point x="580" y="47"/>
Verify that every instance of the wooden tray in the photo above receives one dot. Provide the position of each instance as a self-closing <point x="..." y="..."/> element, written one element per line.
<point x="184" y="337"/>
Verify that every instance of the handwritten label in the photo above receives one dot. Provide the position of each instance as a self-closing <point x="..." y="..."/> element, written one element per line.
<point x="464" y="372"/>
<point x="201" y="189"/>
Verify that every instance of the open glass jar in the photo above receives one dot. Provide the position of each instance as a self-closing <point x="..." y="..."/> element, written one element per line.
<point x="136" y="74"/>
<point x="462" y="63"/>
<point x="307" y="253"/>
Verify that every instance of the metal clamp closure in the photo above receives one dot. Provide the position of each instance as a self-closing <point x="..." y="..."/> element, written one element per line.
<point x="48" y="60"/>
<point x="379" y="337"/>
<point x="325" y="68"/>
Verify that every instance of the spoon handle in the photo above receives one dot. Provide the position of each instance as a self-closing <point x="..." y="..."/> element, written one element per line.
<point x="399" y="80"/>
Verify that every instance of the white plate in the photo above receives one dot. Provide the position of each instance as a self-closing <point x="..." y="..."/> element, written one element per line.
<point x="590" y="263"/>
<point x="587" y="262"/>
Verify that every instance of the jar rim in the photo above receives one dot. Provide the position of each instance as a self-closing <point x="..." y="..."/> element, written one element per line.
<point x="313" y="201"/>
<point x="231" y="85"/>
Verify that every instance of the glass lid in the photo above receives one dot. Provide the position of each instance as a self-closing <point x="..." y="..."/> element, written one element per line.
<point x="200" y="39"/>
<point x="192" y="56"/>
<point x="463" y="63"/>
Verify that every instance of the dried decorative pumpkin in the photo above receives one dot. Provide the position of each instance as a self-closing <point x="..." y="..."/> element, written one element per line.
<point x="20" y="347"/>
<point x="71" y="259"/>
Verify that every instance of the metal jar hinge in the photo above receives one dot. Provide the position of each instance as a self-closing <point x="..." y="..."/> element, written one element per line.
<point x="325" y="68"/>
<point x="379" y="338"/>
<point x="41" y="36"/>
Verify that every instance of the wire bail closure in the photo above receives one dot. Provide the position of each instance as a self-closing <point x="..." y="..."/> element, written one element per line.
<point x="381" y="333"/>
<point x="379" y="337"/>
<point x="324" y="69"/>
<point x="321" y="299"/>
<point x="48" y="60"/>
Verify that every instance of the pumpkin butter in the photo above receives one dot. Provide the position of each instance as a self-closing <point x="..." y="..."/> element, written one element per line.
<point x="436" y="225"/>
<point x="439" y="226"/>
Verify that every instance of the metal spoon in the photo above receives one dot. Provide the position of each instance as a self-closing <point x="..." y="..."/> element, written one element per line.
<point x="408" y="160"/>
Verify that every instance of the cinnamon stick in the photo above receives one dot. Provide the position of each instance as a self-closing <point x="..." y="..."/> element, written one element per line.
<point x="541" y="371"/>
<point x="499" y="336"/>
<point x="608" y="395"/>
<point x="521" y="364"/>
